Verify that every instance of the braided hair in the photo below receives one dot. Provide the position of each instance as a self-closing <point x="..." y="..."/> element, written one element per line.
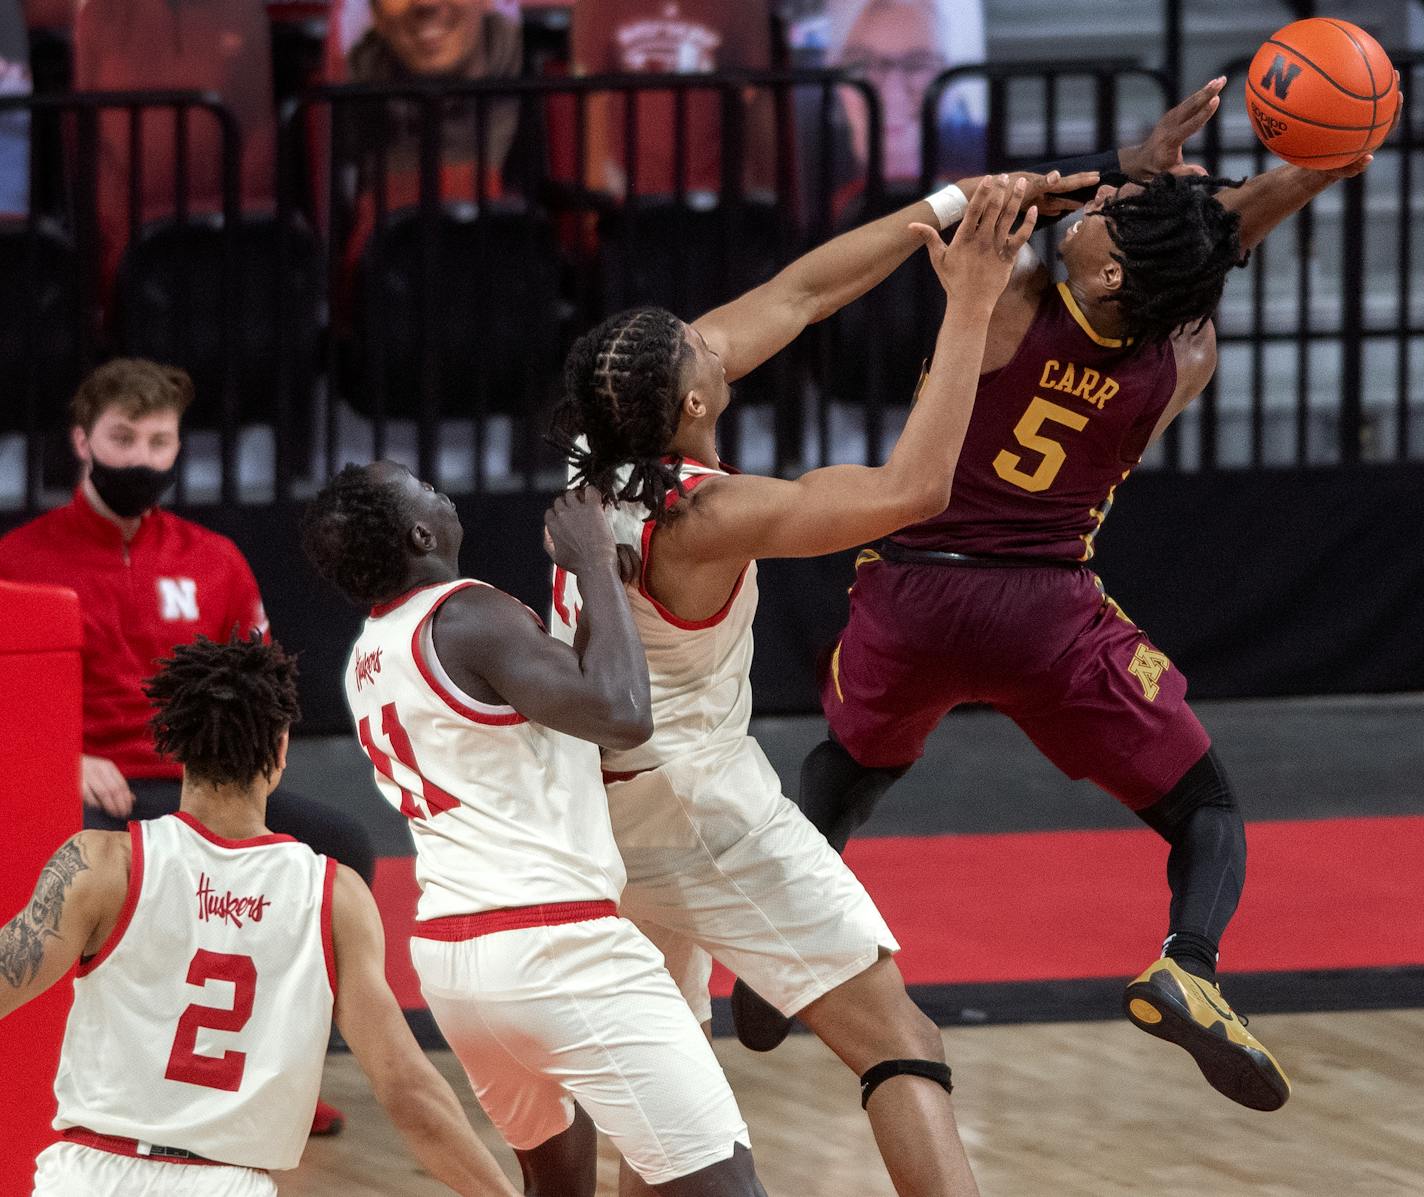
<point x="1175" y="243"/>
<point x="623" y="397"/>
<point x="221" y="709"/>
<point x="353" y="533"/>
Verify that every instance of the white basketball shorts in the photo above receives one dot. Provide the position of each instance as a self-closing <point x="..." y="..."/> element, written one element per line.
<point x="72" y="1170"/>
<point x="776" y="905"/>
<point x="542" y="1017"/>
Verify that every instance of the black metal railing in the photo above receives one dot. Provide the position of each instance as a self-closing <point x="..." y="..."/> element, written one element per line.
<point x="386" y="302"/>
<point x="62" y="314"/>
<point x="689" y="244"/>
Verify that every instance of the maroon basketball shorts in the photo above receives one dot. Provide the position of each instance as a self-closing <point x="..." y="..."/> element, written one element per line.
<point x="1045" y="646"/>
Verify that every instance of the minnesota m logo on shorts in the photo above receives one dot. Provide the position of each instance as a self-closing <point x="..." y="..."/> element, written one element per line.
<point x="1147" y="666"/>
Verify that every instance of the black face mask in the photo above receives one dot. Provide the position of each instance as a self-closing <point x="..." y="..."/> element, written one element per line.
<point x="129" y="491"/>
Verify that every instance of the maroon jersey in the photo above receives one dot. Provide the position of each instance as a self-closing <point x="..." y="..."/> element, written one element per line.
<point x="1052" y="435"/>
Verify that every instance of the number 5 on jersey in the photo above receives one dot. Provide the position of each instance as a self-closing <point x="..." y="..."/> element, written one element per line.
<point x="433" y="800"/>
<point x="1028" y="433"/>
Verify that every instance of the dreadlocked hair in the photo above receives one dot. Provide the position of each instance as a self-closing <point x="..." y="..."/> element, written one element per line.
<point x="622" y="396"/>
<point x="353" y="533"/>
<point x="221" y="709"/>
<point x="1176" y="242"/>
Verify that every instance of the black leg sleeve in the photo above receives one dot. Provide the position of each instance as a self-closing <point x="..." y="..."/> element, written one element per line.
<point x="837" y="794"/>
<point x="323" y="829"/>
<point x="1207" y="865"/>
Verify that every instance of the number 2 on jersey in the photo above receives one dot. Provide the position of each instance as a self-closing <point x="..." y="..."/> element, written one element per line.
<point x="185" y="1063"/>
<point x="1028" y="433"/>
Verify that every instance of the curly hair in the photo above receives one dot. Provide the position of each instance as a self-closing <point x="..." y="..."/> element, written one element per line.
<point x="623" y="396"/>
<point x="221" y="709"/>
<point x="353" y="533"/>
<point x="1176" y="243"/>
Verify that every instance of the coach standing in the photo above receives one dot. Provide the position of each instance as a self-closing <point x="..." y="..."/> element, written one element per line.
<point x="147" y="582"/>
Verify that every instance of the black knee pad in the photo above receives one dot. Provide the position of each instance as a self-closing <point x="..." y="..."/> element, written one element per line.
<point x="875" y="1076"/>
<point x="1204" y="784"/>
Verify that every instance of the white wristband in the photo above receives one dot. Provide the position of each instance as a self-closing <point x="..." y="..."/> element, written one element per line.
<point x="949" y="204"/>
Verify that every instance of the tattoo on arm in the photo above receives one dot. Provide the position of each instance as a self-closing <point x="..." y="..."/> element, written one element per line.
<point x="22" y="941"/>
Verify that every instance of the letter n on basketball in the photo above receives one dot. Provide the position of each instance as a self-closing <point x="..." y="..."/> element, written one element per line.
<point x="1280" y="76"/>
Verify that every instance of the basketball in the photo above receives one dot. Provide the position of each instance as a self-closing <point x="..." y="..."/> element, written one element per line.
<point x="1321" y="93"/>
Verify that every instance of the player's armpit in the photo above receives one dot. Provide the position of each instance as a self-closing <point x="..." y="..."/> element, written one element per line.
<point x="79" y="893"/>
<point x="744" y="517"/>
<point x="420" y="1103"/>
<point x="1196" y="363"/>
<point x="495" y="652"/>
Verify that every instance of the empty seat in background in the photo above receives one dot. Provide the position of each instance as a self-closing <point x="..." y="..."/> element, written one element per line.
<point x="879" y="343"/>
<point x="690" y="258"/>
<point x="495" y="314"/>
<point x="171" y="305"/>
<point x="42" y="340"/>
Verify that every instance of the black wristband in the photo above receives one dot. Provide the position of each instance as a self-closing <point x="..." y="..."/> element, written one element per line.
<point x="1107" y="164"/>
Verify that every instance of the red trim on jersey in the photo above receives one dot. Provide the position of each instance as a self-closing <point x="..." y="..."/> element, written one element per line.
<point x="126" y="911"/>
<point x="400" y="600"/>
<point x="460" y="927"/>
<point x="701" y="465"/>
<point x="115" y="1145"/>
<point x="212" y="837"/>
<point x="454" y="701"/>
<point x="328" y="943"/>
<point x="687" y="625"/>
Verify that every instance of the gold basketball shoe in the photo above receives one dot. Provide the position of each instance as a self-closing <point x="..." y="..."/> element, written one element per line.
<point x="1170" y="1003"/>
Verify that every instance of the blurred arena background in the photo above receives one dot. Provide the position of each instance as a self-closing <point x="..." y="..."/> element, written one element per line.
<point x="358" y="255"/>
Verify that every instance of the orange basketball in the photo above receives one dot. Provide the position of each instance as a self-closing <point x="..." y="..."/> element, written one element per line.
<point x="1321" y="93"/>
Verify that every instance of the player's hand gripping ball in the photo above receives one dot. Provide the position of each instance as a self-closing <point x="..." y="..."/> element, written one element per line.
<point x="1321" y="93"/>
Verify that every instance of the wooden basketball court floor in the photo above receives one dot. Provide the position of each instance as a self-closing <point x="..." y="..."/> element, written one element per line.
<point x="1094" y="1109"/>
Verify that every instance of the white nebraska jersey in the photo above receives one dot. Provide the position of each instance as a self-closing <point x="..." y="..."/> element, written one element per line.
<point x="203" y="1021"/>
<point x="503" y="812"/>
<point x="700" y="670"/>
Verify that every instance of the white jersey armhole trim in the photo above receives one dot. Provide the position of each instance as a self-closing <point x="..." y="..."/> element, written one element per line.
<point x="422" y="648"/>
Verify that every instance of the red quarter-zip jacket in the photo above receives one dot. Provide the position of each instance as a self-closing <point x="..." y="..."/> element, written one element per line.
<point x="174" y="581"/>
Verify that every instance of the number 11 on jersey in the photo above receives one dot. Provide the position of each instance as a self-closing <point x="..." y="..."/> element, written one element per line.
<point x="436" y="801"/>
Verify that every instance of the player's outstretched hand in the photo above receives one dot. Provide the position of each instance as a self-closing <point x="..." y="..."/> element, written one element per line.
<point x="1052" y="193"/>
<point x="978" y="262"/>
<point x="1349" y="170"/>
<point x="1162" y="151"/>
<point x="576" y="534"/>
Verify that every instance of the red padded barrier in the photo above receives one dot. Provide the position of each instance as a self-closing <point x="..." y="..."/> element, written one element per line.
<point x="40" y="639"/>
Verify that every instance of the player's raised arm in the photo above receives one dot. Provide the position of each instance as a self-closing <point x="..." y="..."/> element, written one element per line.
<point x="744" y="517"/>
<point x="419" y="1101"/>
<point x="1267" y="199"/>
<point x="597" y="690"/>
<point x="80" y="889"/>
<point x="758" y="325"/>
